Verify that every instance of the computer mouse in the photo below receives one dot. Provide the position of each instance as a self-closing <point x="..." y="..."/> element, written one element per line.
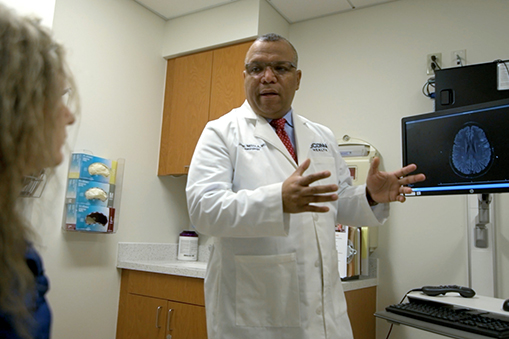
<point x="505" y="305"/>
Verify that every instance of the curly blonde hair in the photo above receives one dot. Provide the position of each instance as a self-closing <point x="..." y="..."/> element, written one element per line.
<point x="33" y="73"/>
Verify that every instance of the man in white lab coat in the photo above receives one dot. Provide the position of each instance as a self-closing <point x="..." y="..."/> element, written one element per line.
<point x="273" y="269"/>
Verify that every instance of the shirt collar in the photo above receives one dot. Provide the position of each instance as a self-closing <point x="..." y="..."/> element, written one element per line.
<point x="288" y="117"/>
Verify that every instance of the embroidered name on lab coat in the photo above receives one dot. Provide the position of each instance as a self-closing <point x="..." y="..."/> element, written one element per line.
<point x="319" y="147"/>
<point x="251" y="147"/>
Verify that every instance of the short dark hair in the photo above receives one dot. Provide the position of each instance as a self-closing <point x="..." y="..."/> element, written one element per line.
<point x="273" y="37"/>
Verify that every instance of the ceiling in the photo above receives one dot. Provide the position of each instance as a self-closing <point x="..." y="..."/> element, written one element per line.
<point x="292" y="10"/>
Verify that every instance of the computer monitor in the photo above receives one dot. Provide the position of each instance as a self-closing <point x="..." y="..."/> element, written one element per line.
<point x="463" y="150"/>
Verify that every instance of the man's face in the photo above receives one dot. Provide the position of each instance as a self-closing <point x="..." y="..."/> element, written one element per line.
<point x="269" y="92"/>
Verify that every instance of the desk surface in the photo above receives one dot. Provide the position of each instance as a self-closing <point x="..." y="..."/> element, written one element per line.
<point x="429" y="327"/>
<point x="478" y="302"/>
<point x="492" y="305"/>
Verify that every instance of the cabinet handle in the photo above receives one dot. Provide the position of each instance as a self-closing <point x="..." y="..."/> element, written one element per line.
<point x="157" y="316"/>
<point x="187" y="166"/>
<point x="170" y="311"/>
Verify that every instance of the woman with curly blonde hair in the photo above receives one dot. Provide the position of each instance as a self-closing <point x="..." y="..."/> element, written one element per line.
<point x="33" y="120"/>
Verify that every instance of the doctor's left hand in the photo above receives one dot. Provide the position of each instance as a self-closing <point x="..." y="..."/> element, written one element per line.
<point x="386" y="187"/>
<point x="298" y="195"/>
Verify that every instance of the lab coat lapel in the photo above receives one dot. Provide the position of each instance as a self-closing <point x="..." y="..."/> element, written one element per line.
<point x="264" y="131"/>
<point x="303" y="138"/>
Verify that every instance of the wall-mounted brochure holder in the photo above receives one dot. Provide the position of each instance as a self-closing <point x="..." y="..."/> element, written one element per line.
<point x="33" y="185"/>
<point x="94" y="189"/>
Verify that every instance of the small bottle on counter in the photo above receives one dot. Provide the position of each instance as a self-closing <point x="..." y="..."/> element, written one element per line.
<point x="188" y="246"/>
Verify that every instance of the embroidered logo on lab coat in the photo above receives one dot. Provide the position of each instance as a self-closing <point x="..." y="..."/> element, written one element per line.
<point x="319" y="147"/>
<point x="251" y="147"/>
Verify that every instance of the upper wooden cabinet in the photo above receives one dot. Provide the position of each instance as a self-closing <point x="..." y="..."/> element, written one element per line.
<point x="199" y="87"/>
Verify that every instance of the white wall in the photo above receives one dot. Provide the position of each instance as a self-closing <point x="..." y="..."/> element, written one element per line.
<point x="115" y="52"/>
<point x="43" y="9"/>
<point x="362" y="72"/>
<point x="214" y="27"/>
<point x="270" y="21"/>
<point x="238" y="21"/>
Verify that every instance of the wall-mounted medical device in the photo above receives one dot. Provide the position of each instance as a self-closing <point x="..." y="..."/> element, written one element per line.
<point x="358" y="155"/>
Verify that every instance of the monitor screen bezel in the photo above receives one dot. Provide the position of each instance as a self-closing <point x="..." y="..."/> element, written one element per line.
<point x="422" y="189"/>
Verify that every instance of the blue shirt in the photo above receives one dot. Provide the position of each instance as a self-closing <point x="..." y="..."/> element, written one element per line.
<point x="36" y="303"/>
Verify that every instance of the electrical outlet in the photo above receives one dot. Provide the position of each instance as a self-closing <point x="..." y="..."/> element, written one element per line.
<point x="459" y="57"/>
<point x="433" y="62"/>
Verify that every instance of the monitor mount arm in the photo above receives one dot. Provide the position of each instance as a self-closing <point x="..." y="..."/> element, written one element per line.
<point x="481" y="231"/>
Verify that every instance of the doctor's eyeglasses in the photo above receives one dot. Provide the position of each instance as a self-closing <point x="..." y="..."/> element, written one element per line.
<point x="279" y="68"/>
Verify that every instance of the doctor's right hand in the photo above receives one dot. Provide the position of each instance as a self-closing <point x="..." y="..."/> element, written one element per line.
<point x="298" y="195"/>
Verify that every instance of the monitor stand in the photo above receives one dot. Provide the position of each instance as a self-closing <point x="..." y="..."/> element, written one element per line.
<point x="482" y="274"/>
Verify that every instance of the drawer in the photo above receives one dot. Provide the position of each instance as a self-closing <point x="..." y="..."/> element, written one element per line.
<point x="166" y="286"/>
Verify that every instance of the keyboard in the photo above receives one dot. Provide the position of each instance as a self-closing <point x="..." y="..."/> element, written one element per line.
<point x="453" y="316"/>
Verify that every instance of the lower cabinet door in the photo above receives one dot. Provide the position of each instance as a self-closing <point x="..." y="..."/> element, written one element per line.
<point x="145" y="317"/>
<point x="186" y="321"/>
<point x="361" y="305"/>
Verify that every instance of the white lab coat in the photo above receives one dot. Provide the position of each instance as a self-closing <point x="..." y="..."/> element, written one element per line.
<point x="271" y="275"/>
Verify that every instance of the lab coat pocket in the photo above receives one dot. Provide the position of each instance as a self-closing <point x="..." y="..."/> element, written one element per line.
<point x="267" y="291"/>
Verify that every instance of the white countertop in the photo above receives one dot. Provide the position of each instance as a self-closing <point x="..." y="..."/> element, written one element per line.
<point x="162" y="258"/>
<point x="194" y="269"/>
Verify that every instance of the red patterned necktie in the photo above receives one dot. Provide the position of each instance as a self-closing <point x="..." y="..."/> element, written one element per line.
<point x="279" y="125"/>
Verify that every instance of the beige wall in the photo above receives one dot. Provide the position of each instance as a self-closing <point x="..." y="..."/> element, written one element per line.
<point x="219" y="26"/>
<point x="43" y="9"/>
<point x="115" y="52"/>
<point x="362" y="71"/>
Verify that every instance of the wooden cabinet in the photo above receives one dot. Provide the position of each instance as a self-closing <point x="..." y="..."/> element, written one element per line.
<point x="154" y="305"/>
<point x="158" y="306"/>
<point x="199" y="87"/>
<point x="361" y="311"/>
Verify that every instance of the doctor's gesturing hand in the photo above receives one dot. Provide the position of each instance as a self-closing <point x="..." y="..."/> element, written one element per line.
<point x="383" y="187"/>
<point x="387" y="187"/>
<point x="297" y="194"/>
